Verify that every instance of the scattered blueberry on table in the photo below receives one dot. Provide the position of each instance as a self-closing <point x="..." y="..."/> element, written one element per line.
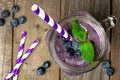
<point x="14" y="22"/>
<point x="15" y="8"/>
<point x="5" y="13"/>
<point x="2" y="21"/>
<point x="106" y="64"/>
<point x="46" y="64"/>
<point x="22" y="19"/>
<point x="110" y="71"/>
<point x="41" y="71"/>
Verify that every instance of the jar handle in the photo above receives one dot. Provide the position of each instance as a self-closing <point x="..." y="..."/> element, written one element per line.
<point x="109" y="23"/>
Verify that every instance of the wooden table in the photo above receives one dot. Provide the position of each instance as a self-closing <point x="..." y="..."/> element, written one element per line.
<point x="37" y="29"/>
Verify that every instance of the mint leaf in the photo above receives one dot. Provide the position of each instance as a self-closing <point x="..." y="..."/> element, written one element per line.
<point x="78" y="31"/>
<point x="86" y="47"/>
<point x="87" y="51"/>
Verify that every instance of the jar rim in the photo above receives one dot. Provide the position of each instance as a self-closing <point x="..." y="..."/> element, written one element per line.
<point x="99" y="30"/>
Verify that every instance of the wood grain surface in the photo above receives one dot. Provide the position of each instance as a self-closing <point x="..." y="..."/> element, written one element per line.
<point x="37" y="29"/>
<point x="115" y="41"/>
<point x="5" y="41"/>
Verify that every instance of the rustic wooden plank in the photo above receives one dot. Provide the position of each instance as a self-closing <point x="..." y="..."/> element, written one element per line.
<point x="36" y="29"/>
<point x="5" y="41"/>
<point x="115" y="41"/>
<point x="100" y="9"/>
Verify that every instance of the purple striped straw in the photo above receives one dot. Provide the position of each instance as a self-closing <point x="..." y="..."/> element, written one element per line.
<point x="22" y="59"/>
<point x="37" y="10"/>
<point x="20" y="51"/>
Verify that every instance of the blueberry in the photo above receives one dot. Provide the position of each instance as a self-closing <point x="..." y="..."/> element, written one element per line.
<point x="106" y="64"/>
<point x="110" y="71"/>
<point x="15" y="8"/>
<point x="67" y="44"/>
<point x="5" y="13"/>
<point x="75" y="45"/>
<point x="77" y="52"/>
<point x="41" y="71"/>
<point x="22" y="20"/>
<point x="2" y="22"/>
<point x="46" y="64"/>
<point x="70" y="52"/>
<point x="14" y="22"/>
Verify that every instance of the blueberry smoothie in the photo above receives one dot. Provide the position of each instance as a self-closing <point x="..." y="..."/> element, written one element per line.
<point x="67" y="54"/>
<point x="76" y="61"/>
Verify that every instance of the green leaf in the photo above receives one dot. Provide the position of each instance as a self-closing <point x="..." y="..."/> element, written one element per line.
<point x="78" y="31"/>
<point x="87" y="51"/>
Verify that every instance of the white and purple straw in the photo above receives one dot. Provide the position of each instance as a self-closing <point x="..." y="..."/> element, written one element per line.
<point x="20" y="52"/>
<point x="22" y="59"/>
<point x="37" y="10"/>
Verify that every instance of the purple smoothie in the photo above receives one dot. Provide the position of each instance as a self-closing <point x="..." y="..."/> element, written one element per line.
<point x="75" y="65"/>
<point x="76" y="61"/>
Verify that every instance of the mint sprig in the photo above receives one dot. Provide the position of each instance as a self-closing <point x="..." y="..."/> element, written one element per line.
<point x="87" y="51"/>
<point x="78" y="31"/>
<point x="86" y="47"/>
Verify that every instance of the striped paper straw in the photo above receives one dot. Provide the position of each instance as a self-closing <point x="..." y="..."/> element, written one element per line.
<point x="37" y="10"/>
<point x="24" y="57"/>
<point x="20" y="51"/>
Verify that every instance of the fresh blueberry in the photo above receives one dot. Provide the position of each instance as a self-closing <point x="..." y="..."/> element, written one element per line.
<point x="70" y="52"/>
<point x="15" y="8"/>
<point x="14" y="22"/>
<point x="67" y="44"/>
<point x="40" y="71"/>
<point x="110" y="71"/>
<point x="22" y="20"/>
<point x="106" y="64"/>
<point x="75" y="45"/>
<point x="2" y="22"/>
<point x="77" y="52"/>
<point x="5" y="13"/>
<point x="46" y="64"/>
